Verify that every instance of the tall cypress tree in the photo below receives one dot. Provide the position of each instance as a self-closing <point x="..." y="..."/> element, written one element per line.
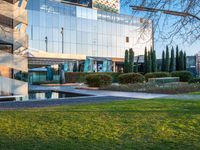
<point x="149" y="68"/>
<point x="154" y="61"/>
<point x="131" y="60"/>
<point x="136" y="65"/>
<point x="185" y="61"/>
<point x="181" y="61"/>
<point x="145" y="60"/>
<point x="167" y="59"/>
<point x="163" y="61"/>
<point x="172" y="66"/>
<point x="126" y="64"/>
<point x="177" y="58"/>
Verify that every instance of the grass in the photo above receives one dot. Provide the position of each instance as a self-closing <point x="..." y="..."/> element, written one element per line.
<point x="135" y="124"/>
<point x="194" y="93"/>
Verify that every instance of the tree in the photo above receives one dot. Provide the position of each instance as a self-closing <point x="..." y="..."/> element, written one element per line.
<point x="131" y="60"/>
<point x="126" y="64"/>
<point x="149" y="68"/>
<point x="136" y="65"/>
<point x="145" y="61"/>
<point x="185" y="61"/>
<point x="181" y="60"/>
<point x="172" y="66"/>
<point x="163" y="61"/>
<point x="172" y="19"/>
<point x="167" y="59"/>
<point x="177" y="59"/>
<point x="154" y="61"/>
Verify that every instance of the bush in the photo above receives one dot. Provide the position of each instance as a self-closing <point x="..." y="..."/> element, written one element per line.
<point x="79" y="77"/>
<point x="98" y="80"/>
<point x="45" y="82"/>
<point x="184" y="76"/>
<point x="131" y="78"/>
<point x="195" y="80"/>
<point x="156" y="75"/>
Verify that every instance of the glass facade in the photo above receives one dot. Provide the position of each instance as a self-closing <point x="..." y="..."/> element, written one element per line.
<point x="56" y="27"/>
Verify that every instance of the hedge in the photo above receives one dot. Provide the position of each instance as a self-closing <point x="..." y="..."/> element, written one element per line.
<point x="195" y="80"/>
<point x="156" y="75"/>
<point x="185" y="76"/>
<point x="131" y="78"/>
<point x="79" y="77"/>
<point x="98" y="80"/>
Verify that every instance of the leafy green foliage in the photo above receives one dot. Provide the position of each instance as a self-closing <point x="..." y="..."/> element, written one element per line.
<point x="156" y="75"/>
<point x="185" y="76"/>
<point x="149" y="62"/>
<point x="154" y="61"/>
<point x="130" y="78"/>
<point x="172" y="59"/>
<point x="163" y="61"/>
<point x="98" y="80"/>
<point x="166" y="62"/>
<point x="177" y="58"/>
<point x="145" y="60"/>
<point x="194" y="80"/>
<point x="79" y="77"/>
<point x="131" y="60"/>
<point x="126" y="62"/>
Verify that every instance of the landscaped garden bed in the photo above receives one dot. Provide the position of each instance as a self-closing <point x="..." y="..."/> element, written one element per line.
<point x="168" y="88"/>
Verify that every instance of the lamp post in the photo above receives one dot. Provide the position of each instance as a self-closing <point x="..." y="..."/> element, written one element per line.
<point x="62" y="33"/>
<point x="46" y="42"/>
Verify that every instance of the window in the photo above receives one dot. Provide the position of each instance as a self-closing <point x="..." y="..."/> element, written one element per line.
<point x="127" y="39"/>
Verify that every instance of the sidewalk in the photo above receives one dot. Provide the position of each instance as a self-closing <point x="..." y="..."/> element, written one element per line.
<point x="134" y="95"/>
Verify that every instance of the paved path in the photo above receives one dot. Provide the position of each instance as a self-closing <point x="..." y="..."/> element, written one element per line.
<point x="101" y="92"/>
<point x="96" y="97"/>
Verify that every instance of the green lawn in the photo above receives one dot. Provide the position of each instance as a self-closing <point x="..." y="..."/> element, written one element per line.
<point x="194" y="93"/>
<point x="139" y="124"/>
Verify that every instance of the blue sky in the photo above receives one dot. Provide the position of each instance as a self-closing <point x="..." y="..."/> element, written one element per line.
<point x="191" y="49"/>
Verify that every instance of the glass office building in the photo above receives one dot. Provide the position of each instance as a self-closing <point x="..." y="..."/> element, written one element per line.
<point x="62" y="32"/>
<point x="13" y="39"/>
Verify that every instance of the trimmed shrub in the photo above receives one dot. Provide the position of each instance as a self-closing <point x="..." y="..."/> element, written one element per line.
<point x="79" y="77"/>
<point x="156" y="75"/>
<point x="184" y="76"/>
<point x="98" y="80"/>
<point x="131" y="78"/>
<point x="195" y="80"/>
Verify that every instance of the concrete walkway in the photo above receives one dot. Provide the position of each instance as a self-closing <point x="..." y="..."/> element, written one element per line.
<point x="97" y="96"/>
<point x="135" y="95"/>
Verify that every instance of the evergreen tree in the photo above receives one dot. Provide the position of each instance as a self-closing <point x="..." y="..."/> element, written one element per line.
<point x="145" y="61"/>
<point x="181" y="61"/>
<point x="136" y="65"/>
<point x="131" y="60"/>
<point x="163" y="61"/>
<point x="185" y="61"/>
<point x="172" y="66"/>
<point x="167" y="59"/>
<point x="126" y="64"/>
<point x="154" y="61"/>
<point x="177" y="58"/>
<point x="149" y="67"/>
<point x="75" y="68"/>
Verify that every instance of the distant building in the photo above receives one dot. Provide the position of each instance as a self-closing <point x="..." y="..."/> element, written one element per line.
<point x="191" y="65"/>
<point x="198" y="63"/>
